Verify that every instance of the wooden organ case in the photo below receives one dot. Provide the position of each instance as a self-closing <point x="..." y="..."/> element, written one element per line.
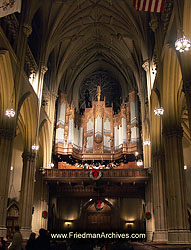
<point x="98" y="134"/>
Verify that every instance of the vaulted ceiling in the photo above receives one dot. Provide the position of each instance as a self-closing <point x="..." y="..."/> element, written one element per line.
<point x="79" y="37"/>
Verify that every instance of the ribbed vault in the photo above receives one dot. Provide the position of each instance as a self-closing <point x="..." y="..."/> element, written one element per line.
<point x="92" y="34"/>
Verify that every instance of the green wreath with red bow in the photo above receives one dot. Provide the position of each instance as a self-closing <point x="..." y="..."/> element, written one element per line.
<point x="99" y="204"/>
<point x="44" y="214"/>
<point x="148" y="215"/>
<point x="95" y="174"/>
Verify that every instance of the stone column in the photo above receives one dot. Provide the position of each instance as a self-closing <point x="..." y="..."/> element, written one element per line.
<point x="6" y="144"/>
<point x="42" y="72"/>
<point x="27" y="193"/>
<point x="158" y="166"/>
<point x="187" y="91"/>
<point x="175" y="186"/>
<point x="146" y="148"/>
<point x="41" y="199"/>
<point x="149" y="208"/>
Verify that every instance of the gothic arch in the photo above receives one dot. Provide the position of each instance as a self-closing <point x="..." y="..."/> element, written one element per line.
<point x="27" y="120"/>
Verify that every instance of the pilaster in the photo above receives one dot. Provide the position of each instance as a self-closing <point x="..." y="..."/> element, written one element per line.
<point x="187" y="91"/>
<point x="149" y="208"/>
<point x="175" y="186"/>
<point x="43" y="69"/>
<point x="27" y="193"/>
<point x="6" y="145"/>
<point x="158" y="166"/>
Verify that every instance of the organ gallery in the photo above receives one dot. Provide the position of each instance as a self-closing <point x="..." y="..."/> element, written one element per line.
<point x="99" y="133"/>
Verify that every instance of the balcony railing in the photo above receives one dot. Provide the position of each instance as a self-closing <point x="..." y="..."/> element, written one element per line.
<point x="64" y="174"/>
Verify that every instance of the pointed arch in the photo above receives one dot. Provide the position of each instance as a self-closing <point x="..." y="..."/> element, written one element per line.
<point x="27" y="119"/>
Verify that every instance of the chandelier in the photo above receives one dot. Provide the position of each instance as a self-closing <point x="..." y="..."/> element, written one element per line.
<point x="51" y="165"/>
<point x="183" y="44"/>
<point x="35" y="147"/>
<point x="147" y="143"/>
<point x="10" y="113"/>
<point x="159" y="111"/>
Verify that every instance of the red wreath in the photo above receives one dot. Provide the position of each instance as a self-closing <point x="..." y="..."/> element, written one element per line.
<point x="148" y="215"/>
<point x="45" y="214"/>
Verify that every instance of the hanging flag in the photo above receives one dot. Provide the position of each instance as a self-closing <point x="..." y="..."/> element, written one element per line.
<point x="8" y="7"/>
<point x="149" y="5"/>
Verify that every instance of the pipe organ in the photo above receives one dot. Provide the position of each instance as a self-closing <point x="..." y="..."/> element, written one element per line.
<point x="99" y="133"/>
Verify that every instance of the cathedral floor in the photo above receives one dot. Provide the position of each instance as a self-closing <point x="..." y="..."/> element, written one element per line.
<point x="152" y="246"/>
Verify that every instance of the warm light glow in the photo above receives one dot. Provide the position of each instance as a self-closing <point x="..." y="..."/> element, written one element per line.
<point x="159" y="111"/>
<point x="136" y="153"/>
<point x="139" y="163"/>
<point x="35" y="147"/>
<point x="185" y="167"/>
<point x="11" y="168"/>
<point x="67" y="223"/>
<point x="129" y="223"/>
<point x="147" y="143"/>
<point x="10" y="113"/>
<point x="51" y="165"/>
<point x="183" y="44"/>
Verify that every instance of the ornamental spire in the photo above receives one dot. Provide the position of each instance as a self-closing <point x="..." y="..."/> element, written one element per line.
<point x="98" y="92"/>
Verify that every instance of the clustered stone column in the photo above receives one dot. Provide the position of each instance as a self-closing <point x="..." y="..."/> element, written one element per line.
<point x="27" y="193"/>
<point x="6" y="141"/>
<point x="159" y="209"/>
<point x="43" y="69"/>
<point x="149" y="208"/>
<point x="175" y="186"/>
<point x="187" y="91"/>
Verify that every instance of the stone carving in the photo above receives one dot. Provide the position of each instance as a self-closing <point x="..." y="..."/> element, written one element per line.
<point x="27" y="29"/>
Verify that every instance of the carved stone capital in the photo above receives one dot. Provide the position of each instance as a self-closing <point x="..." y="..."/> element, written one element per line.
<point x="29" y="156"/>
<point x="6" y="133"/>
<point x="173" y="131"/>
<point x="54" y="95"/>
<point x="43" y="69"/>
<point x="27" y="29"/>
<point x="146" y="65"/>
<point x="154" y="23"/>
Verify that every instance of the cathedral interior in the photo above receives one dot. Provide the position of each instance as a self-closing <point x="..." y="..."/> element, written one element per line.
<point x="95" y="119"/>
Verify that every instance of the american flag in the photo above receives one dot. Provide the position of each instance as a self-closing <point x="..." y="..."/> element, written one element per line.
<point x="149" y="5"/>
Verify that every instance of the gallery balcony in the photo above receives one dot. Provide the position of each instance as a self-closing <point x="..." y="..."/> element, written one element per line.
<point x="81" y="175"/>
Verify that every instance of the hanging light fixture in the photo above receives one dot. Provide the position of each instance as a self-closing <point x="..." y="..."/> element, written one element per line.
<point x="51" y="165"/>
<point x="136" y="153"/>
<point x="147" y="143"/>
<point x="183" y="44"/>
<point x="10" y="113"/>
<point x="35" y="147"/>
<point x="159" y="111"/>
